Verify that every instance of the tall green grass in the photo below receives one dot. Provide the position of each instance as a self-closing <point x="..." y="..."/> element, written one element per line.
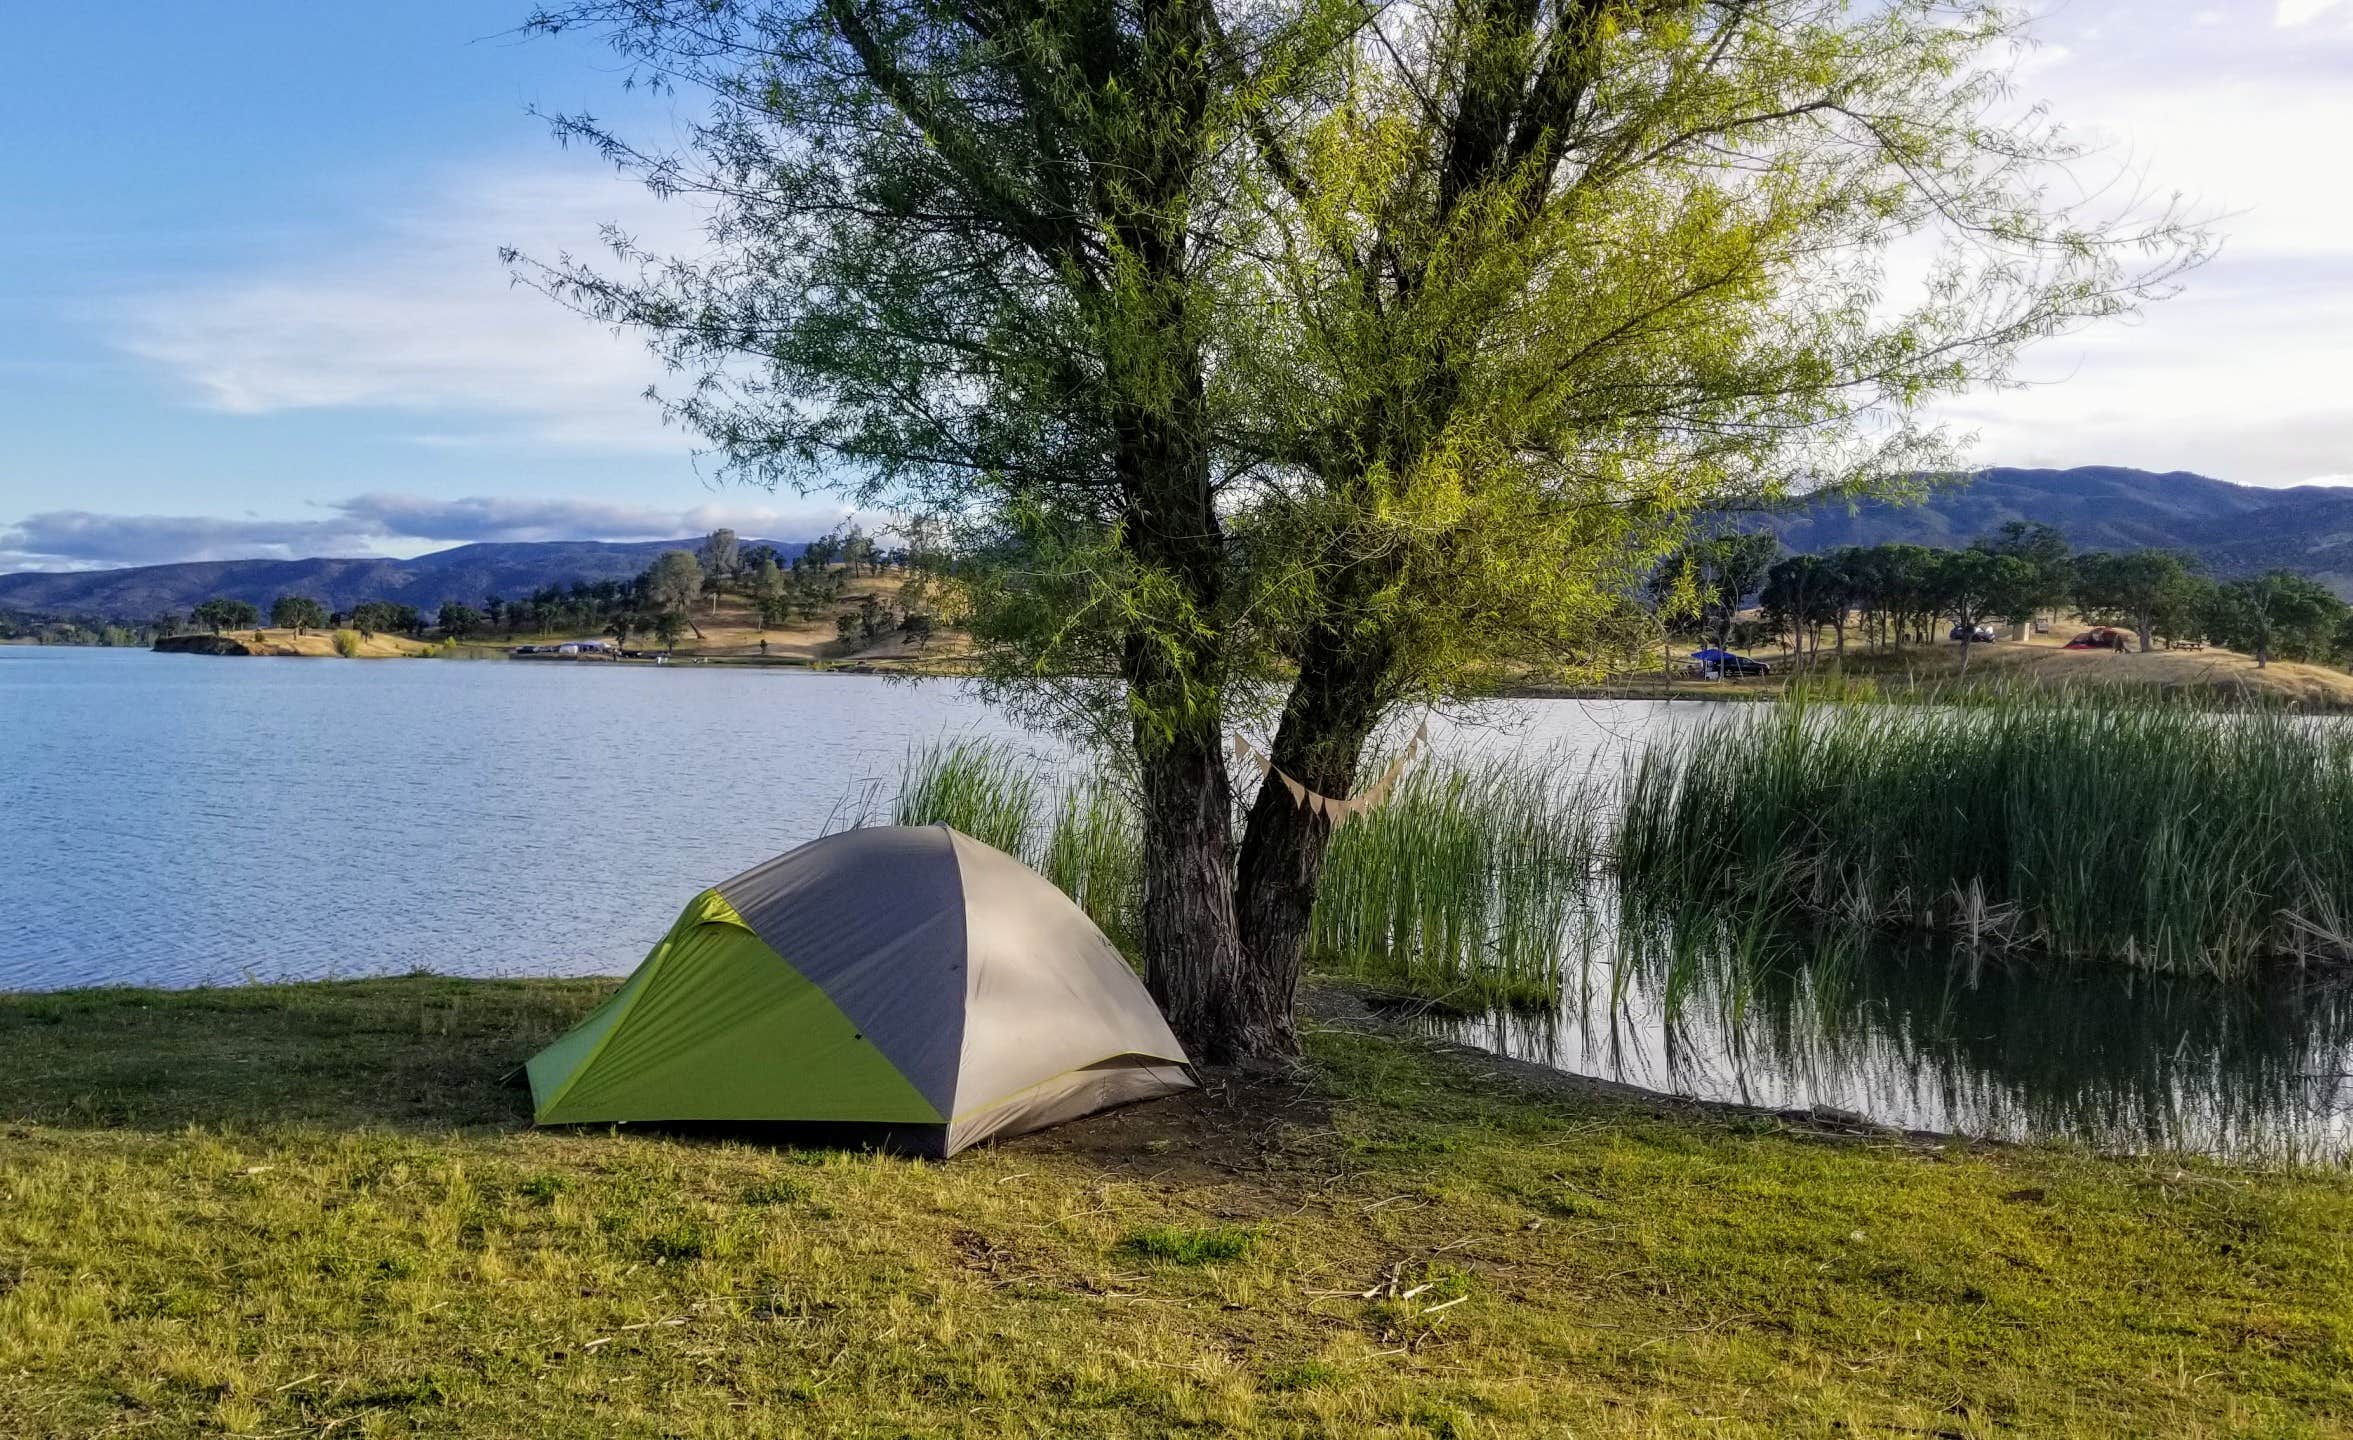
<point x="2153" y="834"/>
<point x="1470" y="885"/>
<point x="985" y="789"/>
<point x="1094" y="852"/>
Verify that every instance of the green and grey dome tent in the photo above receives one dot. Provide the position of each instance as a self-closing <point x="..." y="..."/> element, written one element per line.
<point x="906" y="984"/>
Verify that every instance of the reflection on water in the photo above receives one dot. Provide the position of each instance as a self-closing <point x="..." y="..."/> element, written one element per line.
<point x="1924" y="1037"/>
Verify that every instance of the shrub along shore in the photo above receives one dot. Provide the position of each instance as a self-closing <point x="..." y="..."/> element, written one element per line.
<point x="319" y="1210"/>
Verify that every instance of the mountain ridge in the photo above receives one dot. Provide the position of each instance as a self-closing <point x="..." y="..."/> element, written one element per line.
<point x="464" y="573"/>
<point x="2234" y="529"/>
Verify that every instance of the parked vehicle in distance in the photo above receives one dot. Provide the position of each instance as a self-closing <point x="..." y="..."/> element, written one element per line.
<point x="1982" y="635"/>
<point x="1714" y="663"/>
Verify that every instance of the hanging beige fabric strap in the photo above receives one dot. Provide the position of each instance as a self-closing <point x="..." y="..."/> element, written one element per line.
<point x="1337" y="809"/>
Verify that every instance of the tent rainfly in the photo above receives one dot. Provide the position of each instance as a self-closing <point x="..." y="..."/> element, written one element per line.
<point x="902" y="985"/>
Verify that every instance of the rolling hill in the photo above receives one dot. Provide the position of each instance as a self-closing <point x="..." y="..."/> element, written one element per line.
<point x="2234" y="529"/>
<point x="466" y="573"/>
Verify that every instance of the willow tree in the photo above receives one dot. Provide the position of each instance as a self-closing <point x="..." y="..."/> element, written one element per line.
<point x="1324" y="350"/>
<point x="1551" y="278"/>
<point x="962" y="261"/>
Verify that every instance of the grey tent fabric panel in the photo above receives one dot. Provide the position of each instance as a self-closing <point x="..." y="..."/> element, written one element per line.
<point x="1046" y="992"/>
<point x="1066" y="1097"/>
<point x="874" y="917"/>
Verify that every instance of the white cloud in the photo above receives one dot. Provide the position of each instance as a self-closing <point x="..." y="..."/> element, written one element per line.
<point x="2240" y="376"/>
<point x="420" y="316"/>
<point x="2292" y="13"/>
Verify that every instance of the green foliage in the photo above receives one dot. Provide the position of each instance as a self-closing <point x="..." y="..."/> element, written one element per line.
<point x="672" y="586"/>
<point x="347" y="643"/>
<point x="721" y="555"/>
<point x="458" y="621"/>
<point x="371" y="617"/>
<point x="1362" y="358"/>
<point x="220" y="614"/>
<point x="2278" y="613"/>
<point x="1711" y="579"/>
<point x="297" y="613"/>
<point x="2148" y="834"/>
<point x="771" y="593"/>
<point x="2137" y="588"/>
<point x="2048" y="580"/>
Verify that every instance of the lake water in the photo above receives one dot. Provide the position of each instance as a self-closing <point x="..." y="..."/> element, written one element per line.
<point x="185" y="820"/>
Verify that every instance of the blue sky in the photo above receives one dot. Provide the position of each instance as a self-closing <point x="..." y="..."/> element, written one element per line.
<point x="251" y="303"/>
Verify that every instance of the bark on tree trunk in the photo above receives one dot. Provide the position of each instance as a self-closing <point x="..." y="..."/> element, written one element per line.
<point x="1192" y="945"/>
<point x="1332" y="711"/>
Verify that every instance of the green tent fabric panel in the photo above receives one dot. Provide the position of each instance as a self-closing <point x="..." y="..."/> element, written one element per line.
<point x="716" y="1026"/>
<point x="555" y="1067"/>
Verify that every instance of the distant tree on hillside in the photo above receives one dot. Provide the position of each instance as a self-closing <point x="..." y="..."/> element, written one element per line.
<point x="2185" y="609"/>
<point x="672" y="586"/>
<point x="167" y="622"/>
<point x="220" y="614"/>
<point x="771" y="592"/>
<point x="1803" y="593"/>
<point x="1975" y="585"/>
<point x="2048" y="560"/>
<point x="721" y="554"/>
<point x="622" y="626"/>
<point x="297" y="613"/>
<point x="2279" y="613"/>
<point x="371" y="617"/>
<point x="2133" y="587"/>
<point x="458" y="621"/>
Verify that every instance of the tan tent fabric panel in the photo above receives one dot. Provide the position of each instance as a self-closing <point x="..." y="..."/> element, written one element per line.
<point x="1068" y="1096"/>
<point x="1047" y="993"/>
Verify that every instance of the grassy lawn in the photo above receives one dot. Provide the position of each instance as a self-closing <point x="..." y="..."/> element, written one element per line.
<point x="318" y="1210"/>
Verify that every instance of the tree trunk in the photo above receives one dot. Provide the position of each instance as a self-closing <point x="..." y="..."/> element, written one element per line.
<point x="1192" y="946"/>
<point x="2145" y="628"/>
<point x="1332" y="711"/>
